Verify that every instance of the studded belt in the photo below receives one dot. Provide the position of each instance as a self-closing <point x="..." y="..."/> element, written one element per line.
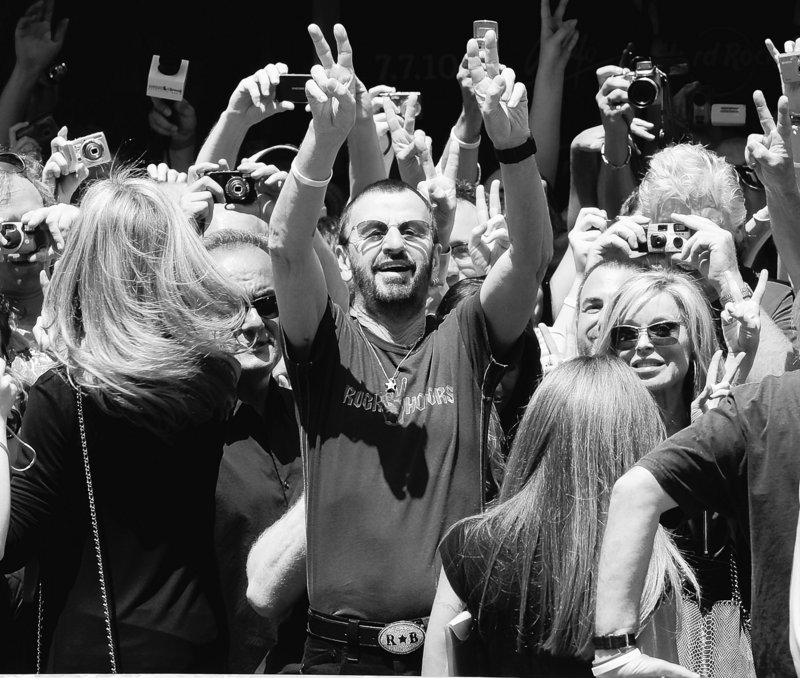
<point x="400" y="637"/>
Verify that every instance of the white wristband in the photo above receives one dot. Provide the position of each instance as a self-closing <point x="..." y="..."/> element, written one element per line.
<point x="616" y="662"/>
<point x="464" y="144"/>
<point x="570" y="303"/>
<point x="310" y="182"/>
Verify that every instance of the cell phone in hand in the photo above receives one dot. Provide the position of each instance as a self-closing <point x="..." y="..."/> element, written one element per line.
<point x="479" y="29"/>
<point x="292" y="87"/>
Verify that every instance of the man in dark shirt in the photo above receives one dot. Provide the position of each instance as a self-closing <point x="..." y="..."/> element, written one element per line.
<point x="740" y="460"/>
<point x="390" y="404"/>
<point x="261" y="473"/>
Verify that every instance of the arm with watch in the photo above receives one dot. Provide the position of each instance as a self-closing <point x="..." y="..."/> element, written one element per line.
<point x="508" y="294"/>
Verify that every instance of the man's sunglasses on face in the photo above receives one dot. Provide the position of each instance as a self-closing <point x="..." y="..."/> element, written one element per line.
<point x="266" y="306"/>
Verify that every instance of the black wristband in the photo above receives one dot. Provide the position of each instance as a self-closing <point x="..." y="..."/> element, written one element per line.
<point x="614" y="641"/>
<point x="508" y="156"/>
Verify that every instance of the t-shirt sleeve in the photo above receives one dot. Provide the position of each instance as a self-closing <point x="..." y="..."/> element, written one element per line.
<point x="40" y="495"/>
<point x="704" y="466"/>
<point x="474" y="334"/>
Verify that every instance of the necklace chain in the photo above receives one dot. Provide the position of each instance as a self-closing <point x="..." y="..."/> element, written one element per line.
<point x="391" y="382"/>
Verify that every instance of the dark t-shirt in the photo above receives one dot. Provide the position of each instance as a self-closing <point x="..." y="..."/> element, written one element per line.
<point x="741" y="459"/>
<point x="380" y="495"/>
<point x="154" y="496"/>
<point x="260" y="476"/>
<point x="499" y="620"/>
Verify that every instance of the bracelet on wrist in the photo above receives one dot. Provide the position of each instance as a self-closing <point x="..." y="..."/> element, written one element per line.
<point x="569" y="303"/>
<point x="313" y="183"/>
<point x="611" y="164"/>
<point x="510" y="156"/>
<point x="464" y="144"/>
<point x="727" y="296"/>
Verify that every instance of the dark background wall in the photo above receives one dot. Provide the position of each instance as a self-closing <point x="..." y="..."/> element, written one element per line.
<point x="412" y="45"/>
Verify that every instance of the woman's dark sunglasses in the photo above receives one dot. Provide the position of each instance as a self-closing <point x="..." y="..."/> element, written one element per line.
<point x="266" y="306"/>
<point x="663" y="333"/>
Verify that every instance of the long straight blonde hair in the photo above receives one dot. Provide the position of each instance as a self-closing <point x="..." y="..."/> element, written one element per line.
<point x="587" y="423"/>
<point x="137" y="311"/>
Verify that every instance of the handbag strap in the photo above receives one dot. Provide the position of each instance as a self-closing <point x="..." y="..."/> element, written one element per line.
<point x="98" y="553"/>
<point x="96" y="536"/>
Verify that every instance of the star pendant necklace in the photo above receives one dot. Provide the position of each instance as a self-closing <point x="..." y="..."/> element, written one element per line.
<point x="391" y="382"/>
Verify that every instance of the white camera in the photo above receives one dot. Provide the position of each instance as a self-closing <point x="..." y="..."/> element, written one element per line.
<point x="91" y="150"/>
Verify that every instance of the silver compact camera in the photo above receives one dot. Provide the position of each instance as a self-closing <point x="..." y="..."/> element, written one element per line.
<point x="666" y="237"/>
<point x="790" y="67"/>
<point x="91" y="150"/>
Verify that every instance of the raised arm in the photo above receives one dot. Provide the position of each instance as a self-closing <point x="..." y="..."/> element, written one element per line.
<point x="363" y="146"/>
<point x="446" y="605"/>
<point x="252" y="101"/>
<point x="556" y="41"/>
<point x="299" y="280"/>
<point x="508" y="295"/>
<point x="637" y="503"/>
<point x="8" y="394"/>
<point x="36" y="44"/>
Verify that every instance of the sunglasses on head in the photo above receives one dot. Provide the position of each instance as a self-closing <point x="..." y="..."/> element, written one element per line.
<point x="11" y="162"/>
<point x="660" y="334"/>
<point x="748" y="176"/>
<point x="266" y="306"/>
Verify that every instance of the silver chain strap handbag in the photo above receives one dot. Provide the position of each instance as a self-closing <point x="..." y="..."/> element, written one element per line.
<point x="112" y="656"/>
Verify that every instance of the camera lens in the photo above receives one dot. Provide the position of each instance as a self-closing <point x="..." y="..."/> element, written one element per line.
<point x="13" y="237"/>
<point x="92" y="150"/>
<point x="642" y="92"/>
<point x="237" y="189"/>
<point x="658" y="241"/>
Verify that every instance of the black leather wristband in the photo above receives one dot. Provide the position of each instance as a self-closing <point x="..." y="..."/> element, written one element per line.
<point x="509" y="156"/>
<point x="614" y="641"/>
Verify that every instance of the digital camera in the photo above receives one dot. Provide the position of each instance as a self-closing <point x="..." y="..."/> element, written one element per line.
<point x="790" y="67"/>
<point x="238" y="188"/>
<point x="20" y="241"/>
<point x="666" y="237"/>
<point x="647" y="85"/>
<point x="400" y="99"/>
<point x="292" y="87"/>
<point x="91" y="150"/>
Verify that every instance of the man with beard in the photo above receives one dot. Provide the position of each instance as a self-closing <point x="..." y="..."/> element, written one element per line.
<point x="390" y="404"/>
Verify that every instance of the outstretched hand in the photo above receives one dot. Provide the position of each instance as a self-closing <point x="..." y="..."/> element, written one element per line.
<point x="331" y="92"/>
<point x="36" y="43"/>
<point x="557" y="38"/>
<point x="502" y="100"/>
<point x="254" y="96"/>
<point x="439" y="186"/>
<point x="770" y="153"/>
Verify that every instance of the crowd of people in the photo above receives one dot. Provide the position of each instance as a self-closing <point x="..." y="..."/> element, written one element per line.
<point x="252" y="421"/>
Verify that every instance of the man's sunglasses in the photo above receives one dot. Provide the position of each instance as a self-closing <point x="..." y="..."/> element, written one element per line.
<point x="748" y="176"/>
<point x="624" y="337"/>
<point x="266" y="306"/>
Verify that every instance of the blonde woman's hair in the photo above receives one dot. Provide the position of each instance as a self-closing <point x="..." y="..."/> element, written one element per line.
<point x="588" y="422"/>
<point x="695" y="177"/>
<point x="139" y="315"/>
<point x="695" y="315"/>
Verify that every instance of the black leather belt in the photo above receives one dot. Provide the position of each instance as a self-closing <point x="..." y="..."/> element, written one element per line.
<point x="400" y="637"/>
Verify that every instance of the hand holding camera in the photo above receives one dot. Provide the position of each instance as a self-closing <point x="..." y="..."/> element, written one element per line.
<point x="198" y="200"/>
<point x="39" y="236"/>
<point x="710" y="249"/>
<point x="254" y="98"/>
<point x="619" y="241"/>
<point x="59" y="175"/>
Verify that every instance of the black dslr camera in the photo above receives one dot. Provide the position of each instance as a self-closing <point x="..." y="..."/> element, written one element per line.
<point x="20" y="241"/>
<point x="238" y="188"/>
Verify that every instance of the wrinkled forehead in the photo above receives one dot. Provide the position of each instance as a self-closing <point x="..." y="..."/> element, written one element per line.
<point x="670" y="206"/>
